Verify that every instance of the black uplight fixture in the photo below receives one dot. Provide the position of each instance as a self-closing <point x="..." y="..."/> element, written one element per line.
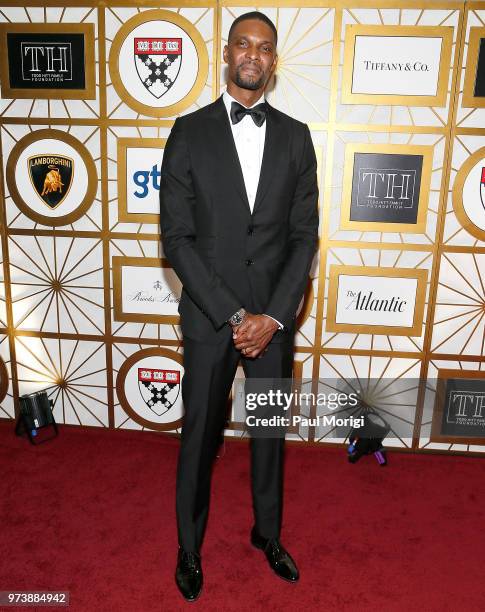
<point x="35" y="414"/>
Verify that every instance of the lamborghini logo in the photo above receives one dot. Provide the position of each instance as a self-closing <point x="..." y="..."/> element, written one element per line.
<point x="51" y="176"/>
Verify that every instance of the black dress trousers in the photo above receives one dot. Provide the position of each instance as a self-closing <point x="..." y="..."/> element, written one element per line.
<point x="209" y="374"/>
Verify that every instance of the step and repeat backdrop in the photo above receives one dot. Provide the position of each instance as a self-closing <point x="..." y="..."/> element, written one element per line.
<point x="394" y="94"/>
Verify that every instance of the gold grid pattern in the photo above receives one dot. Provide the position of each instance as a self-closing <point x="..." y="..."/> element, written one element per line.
<point x="57" y="329"/>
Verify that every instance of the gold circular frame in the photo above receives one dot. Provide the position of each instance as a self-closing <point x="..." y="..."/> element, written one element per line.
<point x="457" y="195"/>
<point x="3" y="380"/>
<point x="120" y="386"/>
<point x="91" y="190"/>
<point x="194" y="35"/>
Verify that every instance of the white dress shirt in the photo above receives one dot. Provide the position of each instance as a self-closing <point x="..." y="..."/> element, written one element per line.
<point x="249" y="141"/>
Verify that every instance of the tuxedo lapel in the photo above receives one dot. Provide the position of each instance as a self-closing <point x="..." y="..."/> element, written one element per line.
<point x="227" y="152"/>
<point x="229" y="159"/>
<point x="273" y="146"/>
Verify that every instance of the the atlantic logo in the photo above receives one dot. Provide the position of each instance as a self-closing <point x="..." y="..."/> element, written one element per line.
<point x="365" y="301"/>
<point x="376" y="300"/>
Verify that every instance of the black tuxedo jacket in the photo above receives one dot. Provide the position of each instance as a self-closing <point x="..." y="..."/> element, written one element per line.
<point x="225" y="256"/>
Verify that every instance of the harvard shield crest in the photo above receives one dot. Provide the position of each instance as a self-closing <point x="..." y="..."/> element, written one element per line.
<point x="159" y="388"/>
<point x="51" y="176"/>
<point x="158" y="62"/>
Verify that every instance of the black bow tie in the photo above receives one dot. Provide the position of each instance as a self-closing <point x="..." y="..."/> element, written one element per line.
<point x="258" y="113"/>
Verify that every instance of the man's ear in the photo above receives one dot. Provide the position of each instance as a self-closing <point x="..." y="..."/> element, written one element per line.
<point x="224" y="53"/>
<point x="275" y="63"/>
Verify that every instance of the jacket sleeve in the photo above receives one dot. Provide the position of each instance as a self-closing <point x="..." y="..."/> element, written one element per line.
<point x="302" y="240"/>
<point x="177" y="202"/>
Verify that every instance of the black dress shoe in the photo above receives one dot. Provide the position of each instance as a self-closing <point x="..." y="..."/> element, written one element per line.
<point x="188" y="574"/>
<point x="279" y="559"/>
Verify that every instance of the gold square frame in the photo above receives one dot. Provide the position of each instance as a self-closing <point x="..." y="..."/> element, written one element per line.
<point x="354" y="30"/>
<point x="142" y="262"/>
<point x="441" y="380"/>
<point x="415" y="330"/>
<point x="469" y="100"/>
<point x="376" y="226"/>
<point x="122" y="145"/>
<point x="87" y="29"/>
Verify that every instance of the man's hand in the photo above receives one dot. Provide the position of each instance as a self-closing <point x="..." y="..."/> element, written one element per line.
<point x="254" y="334"/>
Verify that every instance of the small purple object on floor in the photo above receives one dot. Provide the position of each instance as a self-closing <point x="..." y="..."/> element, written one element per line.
<point x="381" y="457"/>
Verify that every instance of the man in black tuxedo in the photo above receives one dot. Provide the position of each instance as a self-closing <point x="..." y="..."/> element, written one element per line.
<point x="239" y="223"/>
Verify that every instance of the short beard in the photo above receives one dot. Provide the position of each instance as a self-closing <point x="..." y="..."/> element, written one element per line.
<point x="245" y="83"/>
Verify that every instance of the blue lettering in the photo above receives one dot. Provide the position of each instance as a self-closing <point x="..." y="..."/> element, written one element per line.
<point x="141" y="178"/>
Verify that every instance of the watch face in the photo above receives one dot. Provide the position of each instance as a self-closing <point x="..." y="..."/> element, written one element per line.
<point x="237" y="317"/>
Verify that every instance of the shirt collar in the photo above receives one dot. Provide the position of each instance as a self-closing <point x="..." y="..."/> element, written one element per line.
<point x="228" y="99"/>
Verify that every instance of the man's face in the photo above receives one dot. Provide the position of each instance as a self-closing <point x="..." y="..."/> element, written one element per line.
<point x="251" y="54"/>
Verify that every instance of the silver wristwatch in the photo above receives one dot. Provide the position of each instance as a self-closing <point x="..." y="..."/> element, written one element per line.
<point x="238" y="317"/>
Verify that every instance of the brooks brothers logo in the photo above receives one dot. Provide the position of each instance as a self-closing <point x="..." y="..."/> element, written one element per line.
<point x="160" y="293"/>
<point x="148" y="388"/>
<point x="146" y="289"/>
<point x="158" y="63"/>
<point x="51" y="177"/>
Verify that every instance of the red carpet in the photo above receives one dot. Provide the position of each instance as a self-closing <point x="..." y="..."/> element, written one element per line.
<point x="92" y="512"/>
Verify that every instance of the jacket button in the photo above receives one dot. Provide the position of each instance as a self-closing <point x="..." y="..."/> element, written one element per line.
<point x="250" y="230"/>
<point x="249" y="262"/>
